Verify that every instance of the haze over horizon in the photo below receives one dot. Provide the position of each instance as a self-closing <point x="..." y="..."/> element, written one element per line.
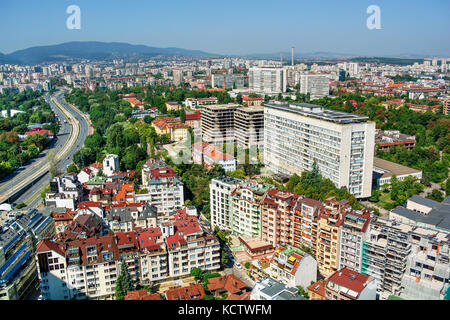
<point x="237" y="27"/>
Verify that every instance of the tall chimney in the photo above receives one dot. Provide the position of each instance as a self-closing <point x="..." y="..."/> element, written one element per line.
<point x="281" y="56"/>
<point x="292" y="55"/>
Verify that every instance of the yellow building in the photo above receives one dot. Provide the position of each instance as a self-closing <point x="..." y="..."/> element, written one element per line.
<point x="328" y="230"/>
<point x="172" y="106"/>
<point x="178" y="131"/>
<point x="447" y="106"/>
<point x="161" y="125"/>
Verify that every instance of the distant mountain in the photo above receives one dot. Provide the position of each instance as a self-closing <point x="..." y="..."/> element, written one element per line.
<point x="304" y="55"/>
<point x="94" y="51"/>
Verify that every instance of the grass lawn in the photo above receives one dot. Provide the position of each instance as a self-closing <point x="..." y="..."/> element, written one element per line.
<point x="394" y="298"/>
<point x="385" y="199"/>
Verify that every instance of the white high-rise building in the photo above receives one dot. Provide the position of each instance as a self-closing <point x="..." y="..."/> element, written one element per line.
<point x="221" y="201"/>
<point x="342" y="144"/>
<point x="317" y="85"/>
<point x="267" y="80"/>
<point x="177" y="77"/>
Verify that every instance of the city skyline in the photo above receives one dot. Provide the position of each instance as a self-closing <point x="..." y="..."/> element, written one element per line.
<point x="200" y="26"/>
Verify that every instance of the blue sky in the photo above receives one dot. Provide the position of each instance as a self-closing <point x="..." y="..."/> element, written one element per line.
<point x="234" y="27"/>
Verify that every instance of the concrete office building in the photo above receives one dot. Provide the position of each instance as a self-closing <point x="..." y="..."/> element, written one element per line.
<point x="249" y="126"/>
<point x="218" y="123"/>
<point x="317" y="85"/>
<point x="267" y="80"/>
<point x="342" y="144"/>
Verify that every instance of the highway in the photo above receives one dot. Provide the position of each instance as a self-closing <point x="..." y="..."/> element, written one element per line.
<point x="70" y="138"/>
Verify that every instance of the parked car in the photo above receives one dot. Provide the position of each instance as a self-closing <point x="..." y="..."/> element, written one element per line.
<point x="238" y="265"/>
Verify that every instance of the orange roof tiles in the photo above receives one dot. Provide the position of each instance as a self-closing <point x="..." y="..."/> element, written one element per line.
<point x="191" y="292"/>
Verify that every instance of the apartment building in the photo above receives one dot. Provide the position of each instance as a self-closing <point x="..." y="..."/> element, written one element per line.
<point x="328" y="231"/>
<point x="291" y="266"/>
<point x="428" y="266"/>
<point x="267" y="80"/>
<point x="165" y="189"/>
<point x="18" y="238"/>
<point x="306" y="214"/>
<point x="189" y="246"/>
<point x="127" y="217"/>
<point x="447" y="106"/>
<point x="88" y="268"/>
<point x="80" y="269"/>
<point x="221" y="202"/>
<point x="65" y="192"/>
<point x="317" y="85"/>
<point x="347" y="284"/>
<point x="296" y="135"/>
<point x="227" y="81"/>
<point x="246" y="208"/>
<point x="278" y="217"/>
<point x="249" y="126"/>
<point x="385" y="252"/>
<point x="353" y="233"/>
<point x="218" y="123"/>
<point x="386" y="139"/>
<point x="152" y="256"/>
<point x="198" y="103"/>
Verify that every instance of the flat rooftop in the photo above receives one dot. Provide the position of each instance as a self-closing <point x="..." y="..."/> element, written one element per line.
<point x="318" y="112"/>
<point x="390" y="168"/>
<point x="438" y="217"/>
<point x="221" y="106"/>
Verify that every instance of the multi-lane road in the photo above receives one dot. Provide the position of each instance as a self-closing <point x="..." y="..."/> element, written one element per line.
<point x="25" y="182"/>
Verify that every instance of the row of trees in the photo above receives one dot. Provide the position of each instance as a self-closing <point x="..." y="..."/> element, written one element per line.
<point x="34" y="110"/>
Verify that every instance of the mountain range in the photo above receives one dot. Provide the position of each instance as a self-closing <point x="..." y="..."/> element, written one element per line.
<point x="94" y="50"/>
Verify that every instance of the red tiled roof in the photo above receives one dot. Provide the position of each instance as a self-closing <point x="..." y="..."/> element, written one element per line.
<point x="211" y="151"/>
<point x="191" y="292"/>
<point x="142" y="295"/>
<point x="244" y="296"/>
<point x="47" y="245"/>
<point x="349" y="279"/>
<point x="228" y="282"/>
<point x="318" y="287"/>
<point x="135" y="102"/>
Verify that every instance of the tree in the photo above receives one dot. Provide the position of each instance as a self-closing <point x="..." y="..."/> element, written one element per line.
<point x="84" y="157"/>
<point x="124" y="282"/>
<point x="72" y="168"/>
<point x="182" y="116"/>
<point x="237" y="174"/>
<point x="197" y="273"/>
<point x="302" y="292"/>
<point x="53" y="167"/>
<point x="436" y="195"/>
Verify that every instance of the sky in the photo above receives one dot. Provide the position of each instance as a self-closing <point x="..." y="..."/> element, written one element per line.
<point x="240" y="27"/>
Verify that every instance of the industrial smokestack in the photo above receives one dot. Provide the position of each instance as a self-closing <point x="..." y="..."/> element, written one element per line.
<point x="292" y="55"/>
<point x="281" y="58"/>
